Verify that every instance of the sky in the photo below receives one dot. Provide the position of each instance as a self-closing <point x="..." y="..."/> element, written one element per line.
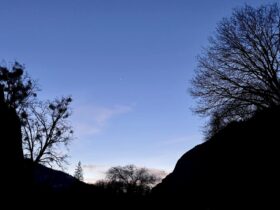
<point x="126" y="63"/>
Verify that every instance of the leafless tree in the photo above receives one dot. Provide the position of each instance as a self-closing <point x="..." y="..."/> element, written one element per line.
<point x="47" y="132"/>
<point x="131" y="179"/>
<point x="238" y="73"/>
<point x="45" y="126"/>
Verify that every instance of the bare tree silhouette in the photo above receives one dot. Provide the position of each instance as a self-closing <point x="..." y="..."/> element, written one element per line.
<point x="45" y="126"/>
<point x="130" y="180"/>
<point x="238" y="73"/>
<point x="46" y="130"/>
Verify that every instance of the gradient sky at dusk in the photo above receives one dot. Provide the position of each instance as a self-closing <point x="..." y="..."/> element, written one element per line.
<point x="127" y="64"/>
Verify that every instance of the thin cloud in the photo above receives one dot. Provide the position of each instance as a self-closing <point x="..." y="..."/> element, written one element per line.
<point x="89" y="167"/>
<point x="91" y="120"/>
<point x="95" y="168"/>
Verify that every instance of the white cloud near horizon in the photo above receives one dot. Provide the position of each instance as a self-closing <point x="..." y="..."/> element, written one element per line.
<point x="94" y="173"/>
<point x="90" y="120"/>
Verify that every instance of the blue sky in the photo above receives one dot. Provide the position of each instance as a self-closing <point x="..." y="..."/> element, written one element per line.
<point x="127" y="64"/>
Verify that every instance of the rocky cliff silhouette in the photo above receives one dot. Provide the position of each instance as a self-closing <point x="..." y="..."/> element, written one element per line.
<point x="10" y="132"/>
<point x="11" y="153"/>
<point x="239" y="165"/>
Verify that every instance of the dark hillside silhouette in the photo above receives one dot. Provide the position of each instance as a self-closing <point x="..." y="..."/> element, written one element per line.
<point x="238" y="164"/>
<point x="47" y="180"/>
